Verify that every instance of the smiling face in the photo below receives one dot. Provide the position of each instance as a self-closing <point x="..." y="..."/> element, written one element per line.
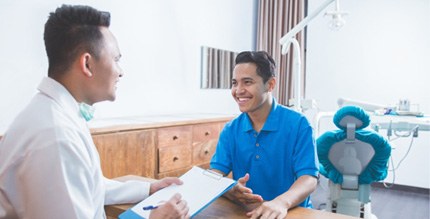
<point x="106" y="70"/>
<point x="252" y="95"/>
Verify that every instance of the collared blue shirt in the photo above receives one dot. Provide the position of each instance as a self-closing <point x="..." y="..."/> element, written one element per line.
<point x="275" y="157"/>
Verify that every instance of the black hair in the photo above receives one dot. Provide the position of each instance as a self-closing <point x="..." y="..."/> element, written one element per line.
<point x="71" y="30"/>
<point x="265" y="64"/>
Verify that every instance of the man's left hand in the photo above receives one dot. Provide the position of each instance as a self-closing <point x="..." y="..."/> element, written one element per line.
<point x="274" y="209"/>
<point x="162" y="183"/>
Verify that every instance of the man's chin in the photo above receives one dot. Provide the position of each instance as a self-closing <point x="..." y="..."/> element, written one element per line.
<point x="243" y="109"/>
<point x="111" y="98"/>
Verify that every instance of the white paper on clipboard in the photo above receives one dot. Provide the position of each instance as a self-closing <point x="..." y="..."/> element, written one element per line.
<point x="200" y="188"/>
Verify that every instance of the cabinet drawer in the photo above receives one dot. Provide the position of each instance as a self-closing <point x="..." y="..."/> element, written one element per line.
<point x="206" y="132"/>
<point x="180" y="135"/>
<point x="203" y="151"/>
<point x="174" y="157"/>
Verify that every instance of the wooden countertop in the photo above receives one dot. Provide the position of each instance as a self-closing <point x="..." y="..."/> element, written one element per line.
<point x="109" y="125"/>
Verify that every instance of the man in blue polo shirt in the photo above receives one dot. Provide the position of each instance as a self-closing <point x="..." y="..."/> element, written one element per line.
<point x="269" y="148"/>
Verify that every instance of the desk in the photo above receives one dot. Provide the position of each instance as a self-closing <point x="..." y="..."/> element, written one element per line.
<point x="224" y="208"/>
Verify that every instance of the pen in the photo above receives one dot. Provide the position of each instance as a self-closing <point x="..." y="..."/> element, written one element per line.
<point x="151" y="207"/>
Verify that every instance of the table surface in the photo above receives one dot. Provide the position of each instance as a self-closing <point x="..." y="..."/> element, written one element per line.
<point x="224" y="208"/>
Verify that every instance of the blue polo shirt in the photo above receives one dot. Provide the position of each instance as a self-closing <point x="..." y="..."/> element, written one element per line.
<point x="275" y="157"/>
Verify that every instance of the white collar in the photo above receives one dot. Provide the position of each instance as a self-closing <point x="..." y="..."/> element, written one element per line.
<point x="60" y="95"/>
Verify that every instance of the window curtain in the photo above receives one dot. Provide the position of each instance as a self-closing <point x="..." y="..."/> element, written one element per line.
<point x="275" y="19"/>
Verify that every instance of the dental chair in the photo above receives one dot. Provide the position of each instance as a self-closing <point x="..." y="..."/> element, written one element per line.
<point x="352" y="158"/>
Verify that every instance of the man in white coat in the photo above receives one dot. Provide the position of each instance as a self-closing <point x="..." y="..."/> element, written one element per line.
<point x="49" y="166"/>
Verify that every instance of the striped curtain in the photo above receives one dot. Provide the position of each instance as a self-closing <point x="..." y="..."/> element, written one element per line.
<point x="275" y="19"/>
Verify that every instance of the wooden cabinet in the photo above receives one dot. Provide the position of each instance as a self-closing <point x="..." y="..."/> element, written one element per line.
<point x="157" y="150"/>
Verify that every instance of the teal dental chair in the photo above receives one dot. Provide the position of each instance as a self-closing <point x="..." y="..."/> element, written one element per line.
<point x="352" y="158"/>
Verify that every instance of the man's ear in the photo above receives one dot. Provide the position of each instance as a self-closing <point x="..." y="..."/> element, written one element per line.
<point x="85" y="64"/>
<point x="271" y="83"/>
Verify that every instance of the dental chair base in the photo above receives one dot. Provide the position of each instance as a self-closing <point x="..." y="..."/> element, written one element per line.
<point x="350" y="202"/>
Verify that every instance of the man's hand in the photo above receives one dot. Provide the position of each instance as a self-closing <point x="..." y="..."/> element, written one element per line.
<point x="242" y="194"/>
<point x="175" y="208"/>
<point x="274" y="209"/>
<point x="155" y="186"/>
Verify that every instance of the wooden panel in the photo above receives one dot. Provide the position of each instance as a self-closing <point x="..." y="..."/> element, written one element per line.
<point x="174" y="157"/>
<point x="178" y="135"/>
<point x="127" y="153"/>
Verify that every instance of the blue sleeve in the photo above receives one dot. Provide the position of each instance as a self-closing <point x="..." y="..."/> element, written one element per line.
<point x="221" y="160"/>
<point x="305" y="159"/>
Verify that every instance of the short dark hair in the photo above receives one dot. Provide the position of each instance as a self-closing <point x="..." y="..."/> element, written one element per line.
<point x="265" y="64"/>
<point x="71" y="30"/>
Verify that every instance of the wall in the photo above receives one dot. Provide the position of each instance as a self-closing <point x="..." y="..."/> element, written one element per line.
<point x="381" y="55"/>
<point x="160" y="42"/>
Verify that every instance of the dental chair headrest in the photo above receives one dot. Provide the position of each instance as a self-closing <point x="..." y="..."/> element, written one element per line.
<point x="351" y="114"/>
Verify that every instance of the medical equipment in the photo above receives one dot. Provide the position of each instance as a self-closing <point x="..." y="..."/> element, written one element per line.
<point x="400" y="127"/>
<point x="289" y="39"/>
<point x="352" y="158"/>
<point x="337" y="20"/>
<point x="402" y="109"/>
<point x="365" y="105"/>
<point x="394" y="123"/>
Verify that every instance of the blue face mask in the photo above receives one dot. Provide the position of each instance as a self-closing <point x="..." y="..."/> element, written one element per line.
<point x="86" y="111"/>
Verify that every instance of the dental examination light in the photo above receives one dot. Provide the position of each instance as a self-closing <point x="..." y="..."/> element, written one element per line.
<point x="337" y="20"/>
<point x="289" y="39"/>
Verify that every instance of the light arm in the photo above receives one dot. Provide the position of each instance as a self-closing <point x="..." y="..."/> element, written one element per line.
<point x="284" y="41"/>
<point x="289" y="39"/>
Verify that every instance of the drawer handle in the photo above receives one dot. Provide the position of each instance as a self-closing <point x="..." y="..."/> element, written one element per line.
<point x="175" y="159"/>
<point x="207" y="133"/>
<point x="175" y="137"/>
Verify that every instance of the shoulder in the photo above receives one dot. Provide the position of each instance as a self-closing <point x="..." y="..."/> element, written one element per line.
<point x="237" y="121"/>
<point x="286" y="114"/>
<point x="43" y="120"/>
<point x="236" y="125"/>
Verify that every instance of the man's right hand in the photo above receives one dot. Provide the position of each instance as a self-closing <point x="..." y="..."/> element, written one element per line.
<point x="242" y="194"/>
<point x="175" y="208"/>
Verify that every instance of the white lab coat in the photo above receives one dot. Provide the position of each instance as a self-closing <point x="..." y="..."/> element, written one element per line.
<point x="49" y="166"/>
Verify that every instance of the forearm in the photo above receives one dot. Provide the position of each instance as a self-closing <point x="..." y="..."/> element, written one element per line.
<point x="129" y="191"/>
<point x="299" y="191"/>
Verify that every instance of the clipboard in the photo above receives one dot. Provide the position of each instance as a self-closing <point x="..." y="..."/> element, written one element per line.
<point x="200" y="188"/>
